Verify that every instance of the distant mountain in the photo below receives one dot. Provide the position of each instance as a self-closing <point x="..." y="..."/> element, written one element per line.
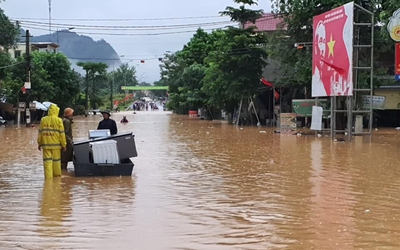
<point x="80" y="48"/>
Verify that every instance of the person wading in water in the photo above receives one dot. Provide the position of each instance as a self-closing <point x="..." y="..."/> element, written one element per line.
<point x="108" y="123"/>
<point x="124" y="120"/>
<point x="51" y="139"/>
<point x="67" y="155"/>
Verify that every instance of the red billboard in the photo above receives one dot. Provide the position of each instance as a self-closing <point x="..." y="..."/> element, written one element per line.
<point x="333" y="52"/>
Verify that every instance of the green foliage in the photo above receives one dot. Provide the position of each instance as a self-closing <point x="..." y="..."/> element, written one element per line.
<point x="189" y="93"/>
<point x="52" y="80"/>
<point x="95" y="81"/>
<point x="235" y="67"/>
<point x="59" y="73"/>
<point x="5" y="61"/>
<point x="123" y="76"/>
<point x="9" y="32"/>
<point x="216" y="70"/>
<point x="296" y="65"/>
<point x="243" y="15"/>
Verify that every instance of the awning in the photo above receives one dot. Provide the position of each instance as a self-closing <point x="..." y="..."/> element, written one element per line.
<point x="40" y="106"/>
<point x="7" y="107"/>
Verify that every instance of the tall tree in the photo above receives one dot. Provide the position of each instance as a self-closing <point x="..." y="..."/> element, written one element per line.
<point x="95" y="75"/>
<point x="9" y="31"/>
<point x="66" y="81"/>
<point x="237" y="62"/>
<point x="242" y="15"/>
<point x="189" y="94"/>
<point x="123" y="76"/>
<point x="9" y="35"/>
<point x="51" y="76"/>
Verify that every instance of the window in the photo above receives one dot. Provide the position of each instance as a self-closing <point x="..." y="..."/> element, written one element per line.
<point x="17" y="53"/>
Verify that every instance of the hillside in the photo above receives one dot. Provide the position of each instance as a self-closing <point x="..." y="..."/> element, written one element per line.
<point x="80" y="48"/>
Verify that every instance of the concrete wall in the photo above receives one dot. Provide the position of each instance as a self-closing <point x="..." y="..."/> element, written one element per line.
<point x="20" y="47"/>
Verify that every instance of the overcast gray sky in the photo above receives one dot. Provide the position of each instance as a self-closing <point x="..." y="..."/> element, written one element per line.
<point x="132" y="47"/>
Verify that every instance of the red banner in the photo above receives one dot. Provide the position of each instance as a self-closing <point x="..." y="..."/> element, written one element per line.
<point x="397" y="59"/>
<point x="269" y="84"/>
<point x="333" y="52"/>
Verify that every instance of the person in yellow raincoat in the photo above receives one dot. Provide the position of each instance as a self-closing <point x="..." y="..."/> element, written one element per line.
<point x="51" y="139"/>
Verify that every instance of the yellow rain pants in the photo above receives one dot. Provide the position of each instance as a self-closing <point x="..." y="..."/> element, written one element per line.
<point x="52" y="163"/>
<point x="51" y="139"/>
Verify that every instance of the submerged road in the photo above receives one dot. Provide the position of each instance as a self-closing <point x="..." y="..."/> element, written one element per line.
<point x="206" y="185"/>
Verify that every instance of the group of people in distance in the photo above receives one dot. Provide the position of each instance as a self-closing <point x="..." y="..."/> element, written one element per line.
<point x="55" y="138"/>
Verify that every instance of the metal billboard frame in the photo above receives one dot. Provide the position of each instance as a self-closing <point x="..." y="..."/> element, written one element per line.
<point x="351" y="101"/>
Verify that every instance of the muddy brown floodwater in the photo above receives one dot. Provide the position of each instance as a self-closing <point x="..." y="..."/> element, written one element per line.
<point x="204" y="185"/>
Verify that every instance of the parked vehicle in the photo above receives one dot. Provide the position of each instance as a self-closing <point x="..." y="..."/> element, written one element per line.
<point x="2" y="121"/>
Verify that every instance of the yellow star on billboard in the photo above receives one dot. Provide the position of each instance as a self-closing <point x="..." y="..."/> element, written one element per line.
<point x="331" y="44"/>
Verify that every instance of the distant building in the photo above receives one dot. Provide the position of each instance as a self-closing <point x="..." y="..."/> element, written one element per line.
<point x="20" y="48"/>
<point x="267" y="23"/>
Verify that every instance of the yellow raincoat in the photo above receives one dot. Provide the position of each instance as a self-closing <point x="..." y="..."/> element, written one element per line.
<point x="51" y="139"/>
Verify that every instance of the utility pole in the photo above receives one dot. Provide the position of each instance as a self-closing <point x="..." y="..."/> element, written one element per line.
<point x="49" y="17"/>
<point x="28" y="77"/>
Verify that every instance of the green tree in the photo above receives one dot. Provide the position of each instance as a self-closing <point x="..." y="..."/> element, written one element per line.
<point x="216" y="70"/>
<point x="5" y="62"/>
<point x="242" y="15"/>
<point x="66" y="81"/>
<point x="9" y="35"/>
<point x="52" y="80"/>
<point x="237" y="62"/>
<point x="189" y="94"/>
<point x="9" y="32"/>
<point x="96" y="76"/>
<point x="123" y="76"/>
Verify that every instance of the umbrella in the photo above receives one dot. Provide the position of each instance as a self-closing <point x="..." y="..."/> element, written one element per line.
<point x="40" y="106"/>
<point x="47" y="104"/>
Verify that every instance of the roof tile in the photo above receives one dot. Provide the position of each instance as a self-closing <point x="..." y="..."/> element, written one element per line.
<point x="268" y="22"/>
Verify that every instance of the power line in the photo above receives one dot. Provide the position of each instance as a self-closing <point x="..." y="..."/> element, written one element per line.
<point x="12" y="65"/>
<point x="124" y="34"/>
<point x="117" y="19"/>
<point x="96" y="27"/>
<point x="120" y="29"/>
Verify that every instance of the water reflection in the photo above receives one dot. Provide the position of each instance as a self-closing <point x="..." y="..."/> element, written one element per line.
<point x="332" y="208"/>
<point x="55" y="209"/>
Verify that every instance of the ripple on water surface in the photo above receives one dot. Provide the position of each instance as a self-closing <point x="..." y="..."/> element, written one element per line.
<point x="206" y="185"/>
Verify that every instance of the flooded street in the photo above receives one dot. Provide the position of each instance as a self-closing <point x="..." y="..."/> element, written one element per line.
<point x="206" y="185"/>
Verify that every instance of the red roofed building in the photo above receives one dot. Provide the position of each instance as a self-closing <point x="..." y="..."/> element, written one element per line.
<point x="267" y="23"/>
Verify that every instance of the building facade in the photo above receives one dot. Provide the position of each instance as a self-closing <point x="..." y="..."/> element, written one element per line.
<point x="20" y="48"/>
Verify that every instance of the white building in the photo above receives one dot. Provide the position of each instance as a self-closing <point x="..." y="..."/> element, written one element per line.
<point x="20" y="48"/>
